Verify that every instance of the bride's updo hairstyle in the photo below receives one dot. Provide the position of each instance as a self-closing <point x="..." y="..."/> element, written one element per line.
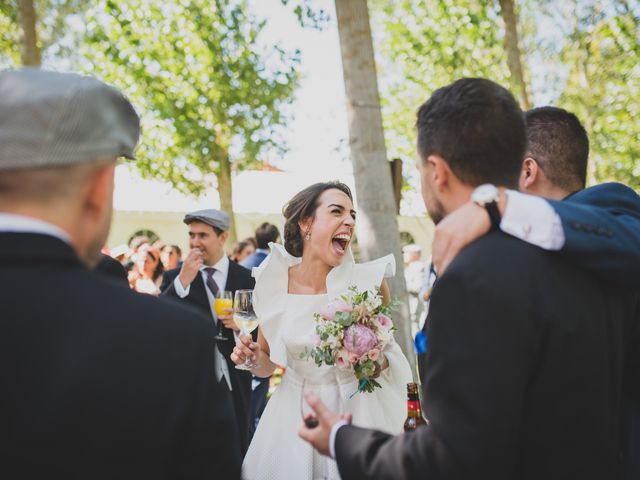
<point x="302" y="206"/>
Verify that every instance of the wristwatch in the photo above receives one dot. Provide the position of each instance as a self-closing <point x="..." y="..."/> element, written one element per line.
<point x="487" y="196"/>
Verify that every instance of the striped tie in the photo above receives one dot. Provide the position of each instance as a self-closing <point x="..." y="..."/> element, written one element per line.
<point x="211" y="283"/>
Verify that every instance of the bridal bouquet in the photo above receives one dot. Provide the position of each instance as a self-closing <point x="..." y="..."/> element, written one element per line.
<point x="351" y="333"/>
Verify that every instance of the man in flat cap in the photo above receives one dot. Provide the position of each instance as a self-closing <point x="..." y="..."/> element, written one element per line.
<point x="98" y="381"/>
<point x="206" y="271"/>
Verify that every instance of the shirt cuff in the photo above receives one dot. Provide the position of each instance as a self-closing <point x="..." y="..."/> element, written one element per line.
<point x="533" y="220"/>
<point x="180" y="290"/>
<point x="332" y="437"/>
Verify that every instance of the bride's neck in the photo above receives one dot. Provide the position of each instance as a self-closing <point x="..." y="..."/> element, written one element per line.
<point x="309" y="276"/>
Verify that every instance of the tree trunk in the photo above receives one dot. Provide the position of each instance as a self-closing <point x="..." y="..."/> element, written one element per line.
<point x="377" y="223"/>
<point x="514" y="56"/>
<point x="27" y="18"/>
<point x="226" y="198"/>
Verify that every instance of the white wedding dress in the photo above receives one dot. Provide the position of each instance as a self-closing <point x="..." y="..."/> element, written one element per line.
<point x="276" y="452"/>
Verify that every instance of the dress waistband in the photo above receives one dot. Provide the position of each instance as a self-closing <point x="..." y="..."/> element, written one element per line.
<point x="329" y="378"/>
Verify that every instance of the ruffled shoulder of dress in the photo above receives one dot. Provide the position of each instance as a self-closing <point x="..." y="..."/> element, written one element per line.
<point x="272" y="279"/>
<point x="369" y="275"/>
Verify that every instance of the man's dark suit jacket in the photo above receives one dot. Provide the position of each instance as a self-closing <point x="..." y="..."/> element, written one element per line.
<point x="99" y="381"/>
<point x="525" y="369"/>
<point x="237" y="278"/>
<point x="602" y="231"/>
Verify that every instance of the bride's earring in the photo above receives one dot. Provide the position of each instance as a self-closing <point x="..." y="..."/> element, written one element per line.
<point x="307" y="236"/>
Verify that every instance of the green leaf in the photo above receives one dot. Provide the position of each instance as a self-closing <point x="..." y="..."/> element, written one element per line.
<point x="343" y="318"/>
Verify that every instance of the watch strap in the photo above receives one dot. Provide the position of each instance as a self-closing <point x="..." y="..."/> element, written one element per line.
<point x="494" y="215"/>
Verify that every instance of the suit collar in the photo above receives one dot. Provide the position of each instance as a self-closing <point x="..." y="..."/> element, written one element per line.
<point x="222" y="265"/>
<point x="17" y="247"/>
<point x="10" y="222"/>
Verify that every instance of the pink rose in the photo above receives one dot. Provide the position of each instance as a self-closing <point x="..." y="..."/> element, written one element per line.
<point x="330" y="309"/>
<point x="374" y="354"/>
<point x="342" y="359"/>
<point x="384" y="322"/>
<point x="359" y="339"/>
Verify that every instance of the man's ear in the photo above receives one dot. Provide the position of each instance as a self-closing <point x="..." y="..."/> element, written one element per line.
<point x="223" y="237"/>
<point x="440" y="171"/>
<point x="529" y="175"/>
<point x="99" y="195"/>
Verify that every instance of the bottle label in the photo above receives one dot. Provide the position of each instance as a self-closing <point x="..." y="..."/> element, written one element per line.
<point x="413" y="405"/>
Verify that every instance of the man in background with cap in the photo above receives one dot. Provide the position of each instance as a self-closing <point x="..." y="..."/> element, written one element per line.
<point x="205" y="272"/>
<point x="98" y="381"/>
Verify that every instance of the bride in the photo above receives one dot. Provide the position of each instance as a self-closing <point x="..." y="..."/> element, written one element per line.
<point x="315" y="267"/>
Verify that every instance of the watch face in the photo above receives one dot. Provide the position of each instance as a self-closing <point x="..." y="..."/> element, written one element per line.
<point x="484" y="194"/>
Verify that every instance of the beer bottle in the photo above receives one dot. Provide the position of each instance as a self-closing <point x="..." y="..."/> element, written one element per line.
<point x="414" y="410"/>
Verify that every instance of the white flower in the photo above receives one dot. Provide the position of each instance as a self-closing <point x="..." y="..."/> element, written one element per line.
<point x="384" y="336"/>
<point x="373" y="302"/>
<point x="333" y="342"/>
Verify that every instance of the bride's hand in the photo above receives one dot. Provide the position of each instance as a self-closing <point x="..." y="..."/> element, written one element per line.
<point x="245" y="347"/>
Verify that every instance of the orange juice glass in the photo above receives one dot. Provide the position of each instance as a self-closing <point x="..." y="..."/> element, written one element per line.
<point x="224" y="300"/>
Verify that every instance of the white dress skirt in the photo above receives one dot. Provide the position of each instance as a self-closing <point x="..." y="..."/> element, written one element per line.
<point x="276" y="452"/>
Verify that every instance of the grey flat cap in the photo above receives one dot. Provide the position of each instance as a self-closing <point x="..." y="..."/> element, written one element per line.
<point x="50" y="119"/>
<point x="215" y="218"/>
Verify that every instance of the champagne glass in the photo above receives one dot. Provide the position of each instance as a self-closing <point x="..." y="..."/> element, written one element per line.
<point x="308" y="416"/>
<point x="246" y="319"/>
<point x="335" y="402"/>
<point x="223" y="301"/>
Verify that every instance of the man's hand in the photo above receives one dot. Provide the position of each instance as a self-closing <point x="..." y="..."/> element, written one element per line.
<point x="460" y="228"/>
<point x="319" y="436"/>
<point x="190" y="267"/>
<point x="227" y="319"/>
<point x="456" y="231"/>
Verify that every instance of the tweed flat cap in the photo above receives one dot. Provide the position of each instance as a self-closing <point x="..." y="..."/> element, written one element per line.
<point x="215" y="218"/>
<point x="50" y="119"/>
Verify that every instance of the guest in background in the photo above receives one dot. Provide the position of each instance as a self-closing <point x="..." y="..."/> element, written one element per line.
<point x="171" y="257"/>
<point x="135" y="244"/>
<point x="243" y="249"/>
<point x="146" y="275"/>
<point x="265" y="234"/>
<point x="112" y="269"/>
<point x="414" y="273"/>
<point x="205" y="271"/>
<point x="120" y="253"/>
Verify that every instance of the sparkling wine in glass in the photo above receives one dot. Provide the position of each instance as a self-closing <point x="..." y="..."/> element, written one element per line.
<point x="245" y="318"/>
<point x="308" y="416"/>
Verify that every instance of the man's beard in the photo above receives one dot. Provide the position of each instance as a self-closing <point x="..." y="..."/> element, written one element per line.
<point x="436" y="212"/>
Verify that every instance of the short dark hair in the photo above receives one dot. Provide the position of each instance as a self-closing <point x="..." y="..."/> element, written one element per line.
<point x="303" y="205"/>
<point x="558" y="142"/>
<point x="478" y="128"/>
<point x="265" y="234"/>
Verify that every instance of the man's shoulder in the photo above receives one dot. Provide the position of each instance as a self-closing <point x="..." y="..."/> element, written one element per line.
<point x="496" y="249"/>
<point x="136" y="308"/>
<point x="238" y="269"/>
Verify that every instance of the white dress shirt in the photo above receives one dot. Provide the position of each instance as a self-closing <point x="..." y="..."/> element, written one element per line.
<point x="533" y="220"/>
<point x="10" y="222"/>
<point x="220" y="277"/>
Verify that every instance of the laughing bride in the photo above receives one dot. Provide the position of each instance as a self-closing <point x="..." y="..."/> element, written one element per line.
<point x="314" y="267"/>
